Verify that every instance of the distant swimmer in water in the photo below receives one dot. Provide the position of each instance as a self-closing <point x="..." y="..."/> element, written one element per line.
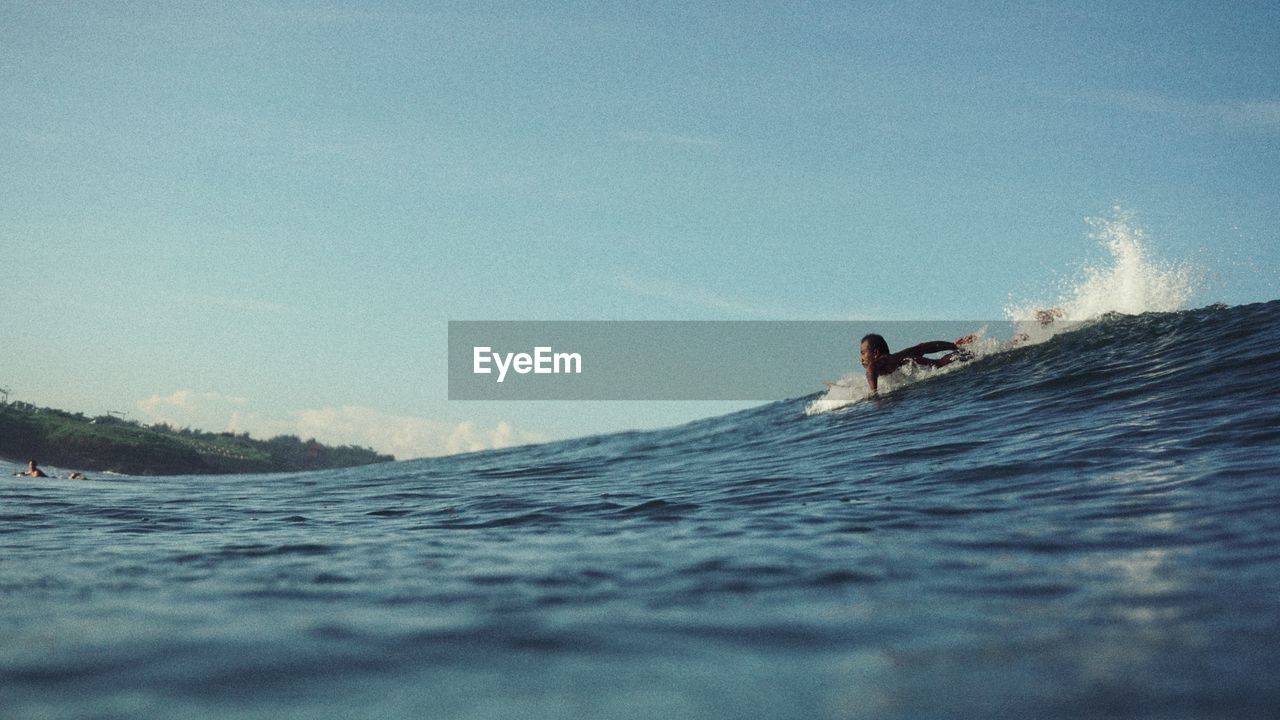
<point x="33" y="470"/>
<point x="1044" y="317"/>
<point x="77" y="476"/>
<point x="878" y="361"/>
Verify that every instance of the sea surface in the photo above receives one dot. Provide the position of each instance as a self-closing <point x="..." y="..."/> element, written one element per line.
<point x="1084" y="527"/>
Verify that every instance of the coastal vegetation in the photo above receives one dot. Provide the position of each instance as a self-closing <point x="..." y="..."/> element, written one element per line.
<point x="110" y="443"/>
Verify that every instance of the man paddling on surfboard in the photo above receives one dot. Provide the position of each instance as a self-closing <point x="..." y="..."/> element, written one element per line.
<point x="33" y="470"/>
<point x="877" y="359"/>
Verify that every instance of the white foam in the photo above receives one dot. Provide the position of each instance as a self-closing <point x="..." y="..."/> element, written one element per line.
<point x="1129" y="281"/>
<point x="848" y="390"/>
<point x="853" y="387"/>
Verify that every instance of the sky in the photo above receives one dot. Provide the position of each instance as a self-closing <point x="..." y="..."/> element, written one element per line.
<point x="261" y="216"/>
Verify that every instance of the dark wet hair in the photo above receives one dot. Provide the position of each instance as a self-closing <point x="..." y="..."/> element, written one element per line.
<point x="876" y="343"/>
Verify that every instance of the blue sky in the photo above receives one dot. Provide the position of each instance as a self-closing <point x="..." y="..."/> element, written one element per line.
<point x="265" y="213"/>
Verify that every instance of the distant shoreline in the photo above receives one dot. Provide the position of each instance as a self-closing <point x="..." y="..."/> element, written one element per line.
<point x="111" y="444"/>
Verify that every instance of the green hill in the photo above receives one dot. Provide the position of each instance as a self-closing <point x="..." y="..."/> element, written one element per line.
<point x="104" y="443"/>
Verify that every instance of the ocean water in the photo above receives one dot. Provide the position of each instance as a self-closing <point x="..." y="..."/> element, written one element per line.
<point x="1082" y="525"/>
<point x="1086" y="527"/>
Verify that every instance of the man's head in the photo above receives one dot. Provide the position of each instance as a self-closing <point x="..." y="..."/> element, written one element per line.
<point x="872" y="347"/>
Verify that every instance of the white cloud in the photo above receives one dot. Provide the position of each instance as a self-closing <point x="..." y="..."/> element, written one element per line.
<point x="700" y="297"/>
<point x="188" y="408"/>
<point x="690" y="295"/>
<point x="1245" y="114"/>
<point x="1256" y="114"/>
<point x="666" y="138"/>
<point x="404" y="436"/>
<point x="242" y="304"/>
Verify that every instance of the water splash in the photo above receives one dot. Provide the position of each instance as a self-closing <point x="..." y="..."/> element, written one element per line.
<point x="1130" y="281"/>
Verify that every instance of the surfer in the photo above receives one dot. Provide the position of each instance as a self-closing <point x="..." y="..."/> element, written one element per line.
<point x="877" y="359"/>
<point x="33" y="470"/>
<point x="1044" y="317"/>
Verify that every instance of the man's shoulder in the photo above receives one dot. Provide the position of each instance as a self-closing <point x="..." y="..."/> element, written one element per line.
<point x="886" y="364"/>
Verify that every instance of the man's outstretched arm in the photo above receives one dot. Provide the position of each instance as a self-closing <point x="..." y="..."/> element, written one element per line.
<point x="933" y="346"/>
